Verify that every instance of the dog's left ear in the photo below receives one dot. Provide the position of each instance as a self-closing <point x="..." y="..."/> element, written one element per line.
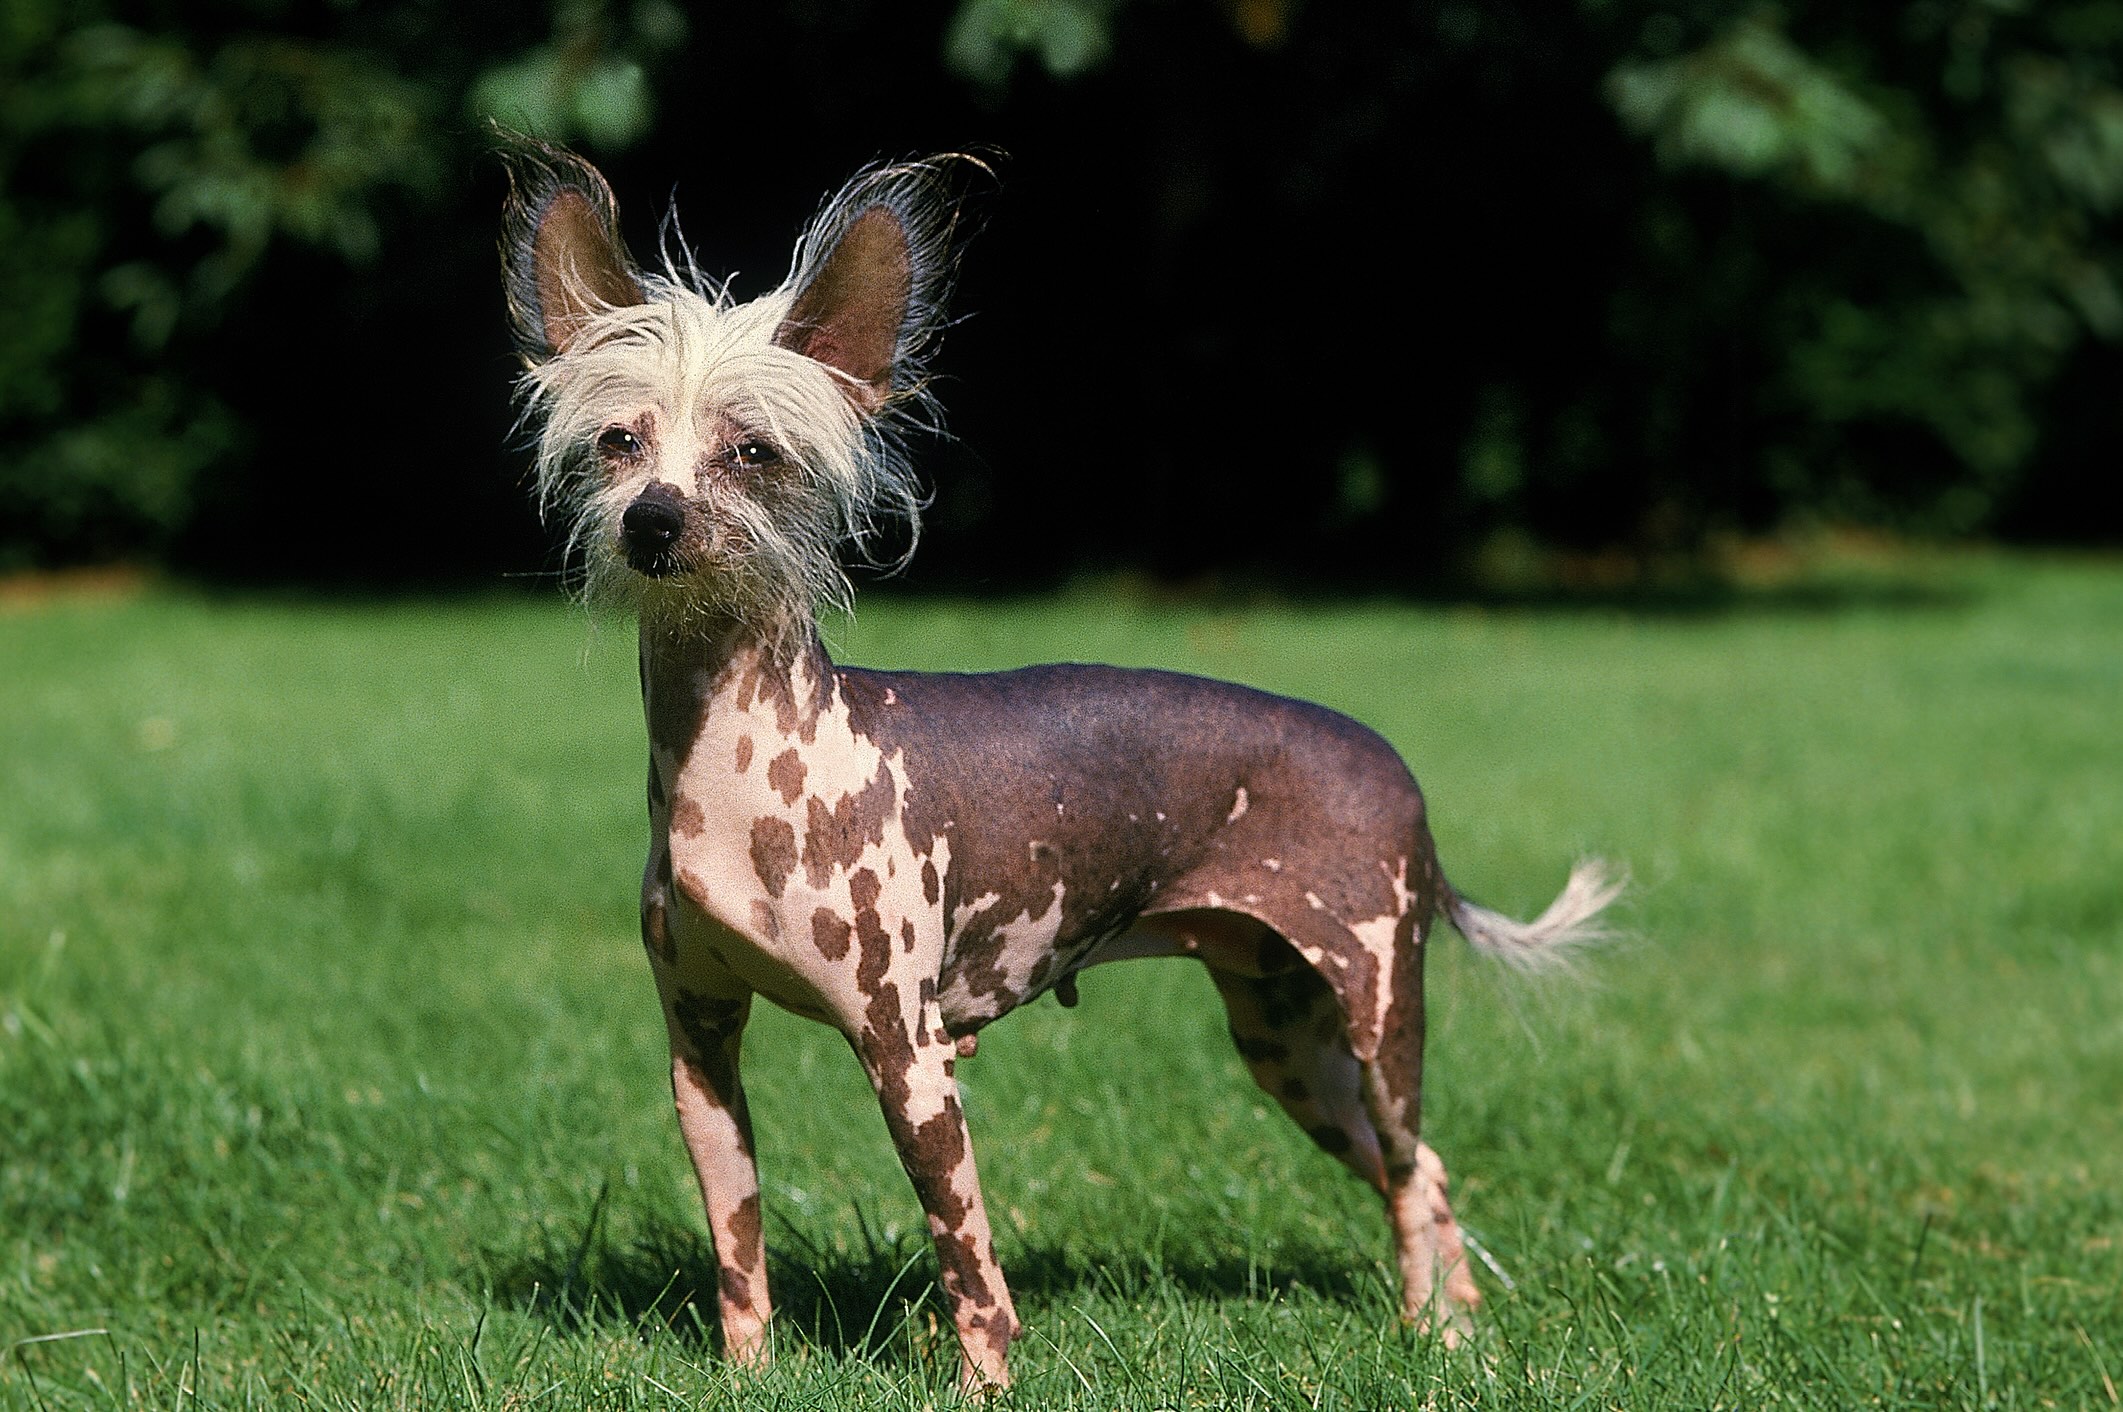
<point x="872" y="274"/>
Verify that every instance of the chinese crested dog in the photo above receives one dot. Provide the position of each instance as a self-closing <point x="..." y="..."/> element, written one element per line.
<point x="906" y="856"/>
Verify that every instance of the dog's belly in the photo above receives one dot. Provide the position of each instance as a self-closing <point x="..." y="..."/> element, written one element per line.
<point x="1020" y="959"/>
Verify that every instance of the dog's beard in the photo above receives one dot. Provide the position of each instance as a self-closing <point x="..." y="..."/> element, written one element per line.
<point x="761" y="569"/>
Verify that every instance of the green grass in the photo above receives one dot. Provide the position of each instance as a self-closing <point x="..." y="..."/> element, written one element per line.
<point x="330" y="1073"/>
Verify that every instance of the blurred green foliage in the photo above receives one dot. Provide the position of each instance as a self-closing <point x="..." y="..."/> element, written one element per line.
<point x="147" y="172"/>
<point x="590" y="81"/>
<point x="1809" y="261"/>
<point x="1068" y="37"/>
<point x="2003" y="169"/>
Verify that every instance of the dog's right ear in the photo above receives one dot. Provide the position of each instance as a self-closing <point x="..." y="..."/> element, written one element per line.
<point x="562" y="260"/>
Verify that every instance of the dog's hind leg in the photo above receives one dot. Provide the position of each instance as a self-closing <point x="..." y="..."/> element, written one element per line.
<point x="1437" y="1289"/>
<point x="1289" y="1028"/>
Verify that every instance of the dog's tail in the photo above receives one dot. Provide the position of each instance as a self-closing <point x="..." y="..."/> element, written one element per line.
<point x="1551" y="940"/>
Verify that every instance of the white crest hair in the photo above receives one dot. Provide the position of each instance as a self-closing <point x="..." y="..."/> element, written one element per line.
<point x="690" y="351"/>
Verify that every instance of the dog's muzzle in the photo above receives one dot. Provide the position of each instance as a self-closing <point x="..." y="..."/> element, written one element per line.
<point x="650" y="528"/>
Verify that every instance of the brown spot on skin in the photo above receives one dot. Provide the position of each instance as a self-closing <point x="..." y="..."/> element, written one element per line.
<point x="708" y="1022"/>
<point x="931" y="885"/>
<point x="980" y="967"/>
<point x="836" y="837"/>
<point x="831" y="932"/>
<point x="744" y="753"/>
<point x="906" y="934"/>
<point x="939" y="1149"/>
<point x="886" y="1048"/>
<point x="999" y="1327"/>
<point x="672" y="702"/>
<point x="785" y="773"/>
<point x="656" y="934"/>
<point x="762" y="680"/>
<point x="773" y="853"/>
<point x="687" y="818"/>
<point x="1284" y="1005"/>
<point x="960" y="1262"/>
<point x="711" y="1027"/>
<point x="876" y="957"/>
<point x="717" y="1071"/>
<point x="1273" y="955"/>
<point x="745" y="1230"/>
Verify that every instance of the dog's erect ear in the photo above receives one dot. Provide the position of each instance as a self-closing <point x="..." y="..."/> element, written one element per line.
<point x="849" y="313"/>
<point x="872" y="273"/>
<point x="562" y="260"/>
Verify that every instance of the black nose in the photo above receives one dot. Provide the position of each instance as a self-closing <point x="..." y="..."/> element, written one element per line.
<point x="652" y="523"/>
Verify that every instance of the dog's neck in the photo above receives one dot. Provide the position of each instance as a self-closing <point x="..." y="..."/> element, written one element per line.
<point x="693" y="665"/>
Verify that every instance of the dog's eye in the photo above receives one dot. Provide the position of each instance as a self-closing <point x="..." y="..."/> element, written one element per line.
<point x="619" y="442"/>
<point x="753" y="453"/>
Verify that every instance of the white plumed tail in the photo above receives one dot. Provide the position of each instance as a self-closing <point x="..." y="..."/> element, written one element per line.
<point x="1549" y="941"/>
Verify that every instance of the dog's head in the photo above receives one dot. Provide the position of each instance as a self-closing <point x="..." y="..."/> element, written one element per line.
<point x="710" y="456"/>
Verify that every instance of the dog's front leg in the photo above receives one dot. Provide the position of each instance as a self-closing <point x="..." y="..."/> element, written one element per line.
<point x="912" y="1072"/>
<point x="706" y="1029"/>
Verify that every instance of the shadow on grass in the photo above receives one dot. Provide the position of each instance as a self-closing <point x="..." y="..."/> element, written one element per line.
<point x="859" y="1302"/>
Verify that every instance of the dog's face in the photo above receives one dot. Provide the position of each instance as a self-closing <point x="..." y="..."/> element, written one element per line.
<point x="711" y="456"/>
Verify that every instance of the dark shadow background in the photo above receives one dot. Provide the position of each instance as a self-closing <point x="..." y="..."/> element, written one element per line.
<point x="1392" y="296"/>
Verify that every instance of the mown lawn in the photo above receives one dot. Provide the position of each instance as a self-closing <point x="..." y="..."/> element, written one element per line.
<point x="330" y="1074"/>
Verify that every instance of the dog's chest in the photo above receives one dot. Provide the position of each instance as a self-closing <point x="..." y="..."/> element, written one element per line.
<point x="790" y="856"/>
